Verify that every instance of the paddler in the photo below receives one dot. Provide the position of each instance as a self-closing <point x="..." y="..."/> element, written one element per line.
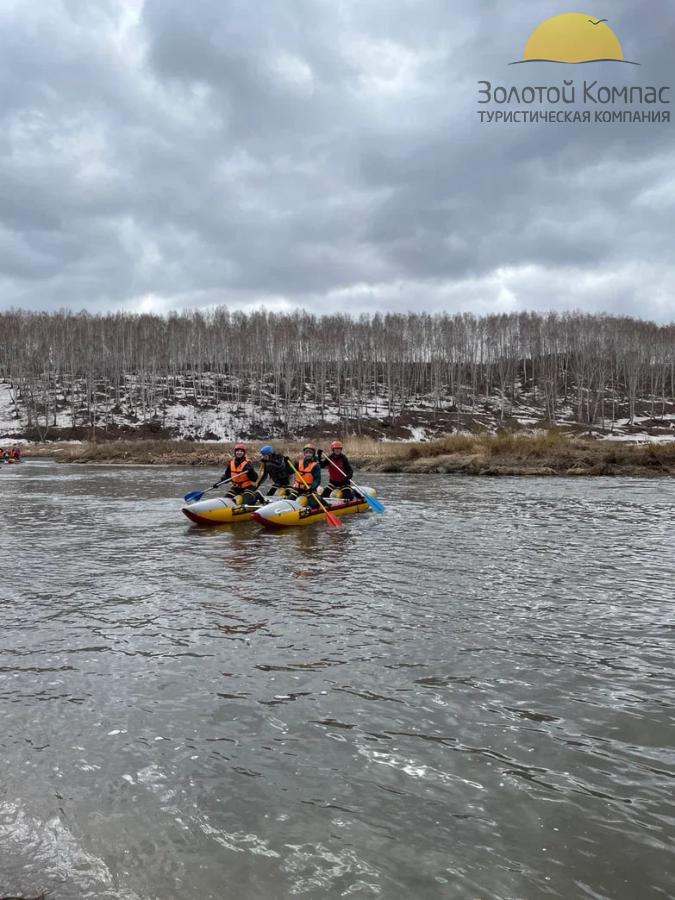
<point x="308" y="477"/>
<point x="277" y="468"/>
<point x="242" y="476"/>
<point x="340" y="471"/>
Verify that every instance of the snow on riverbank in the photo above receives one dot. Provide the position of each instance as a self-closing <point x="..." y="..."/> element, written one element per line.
<point x="641" y="437"/>
<point x="9" y="422"/>
<point x="181" y="414"/>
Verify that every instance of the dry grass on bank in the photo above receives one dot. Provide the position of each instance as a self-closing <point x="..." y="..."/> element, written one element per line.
<point x="137" y="452"/>
<point x="551" y="452"/>
<point x="548" y="453"/>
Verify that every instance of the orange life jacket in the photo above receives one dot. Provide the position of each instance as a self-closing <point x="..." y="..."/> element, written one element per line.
<point x="305" y="476"/>
<point x="240" y="478"/>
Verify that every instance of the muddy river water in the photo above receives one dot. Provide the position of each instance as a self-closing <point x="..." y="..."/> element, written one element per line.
<point x="470" y="696"/>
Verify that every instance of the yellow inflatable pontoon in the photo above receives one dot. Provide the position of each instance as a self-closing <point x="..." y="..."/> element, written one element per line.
<point x="218" y="511"/>
<point x="291" y="513"/>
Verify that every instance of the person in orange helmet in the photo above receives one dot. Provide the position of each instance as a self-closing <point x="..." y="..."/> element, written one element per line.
<point x="242" y="476"/>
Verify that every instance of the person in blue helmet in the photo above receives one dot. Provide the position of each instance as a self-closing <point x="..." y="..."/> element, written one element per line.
<point x="277" y="468"/>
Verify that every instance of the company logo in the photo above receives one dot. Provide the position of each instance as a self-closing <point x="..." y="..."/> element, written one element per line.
<point x="574" y="38"/>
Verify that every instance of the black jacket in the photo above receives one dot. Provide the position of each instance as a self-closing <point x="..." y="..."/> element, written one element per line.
<point x="278" y="469"/>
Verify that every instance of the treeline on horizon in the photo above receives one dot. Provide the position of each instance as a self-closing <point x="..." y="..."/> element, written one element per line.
<point x="92" y="364"/>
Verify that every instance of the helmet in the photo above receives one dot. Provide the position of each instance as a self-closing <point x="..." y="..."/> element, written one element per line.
<point x="267" y="450"/>
<point x="309" y="447"/>
<point x="336" y="445"/>
<point x="240" y="447"/>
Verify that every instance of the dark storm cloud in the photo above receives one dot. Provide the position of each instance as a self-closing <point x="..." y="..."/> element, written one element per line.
<point x="160" y="155"/>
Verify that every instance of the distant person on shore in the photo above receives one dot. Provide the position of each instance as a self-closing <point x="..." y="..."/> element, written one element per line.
<point x="277" y="468"/>
<point x="242" y="476"/>
<point x="340" y="472"/>
<point x="308" y="478"/>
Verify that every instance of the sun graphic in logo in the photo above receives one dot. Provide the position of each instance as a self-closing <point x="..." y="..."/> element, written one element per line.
<point x="573" y="38"/>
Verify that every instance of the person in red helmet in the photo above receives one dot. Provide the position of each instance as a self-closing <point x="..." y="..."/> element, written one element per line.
<point x="242" y="476"/>
<point x="340" y="471"/>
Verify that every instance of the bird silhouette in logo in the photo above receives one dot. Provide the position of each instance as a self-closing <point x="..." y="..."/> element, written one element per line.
<point x="568" y="39"/>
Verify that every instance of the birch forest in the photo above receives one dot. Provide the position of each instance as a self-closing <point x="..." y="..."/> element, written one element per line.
<point x="97" y="371"/>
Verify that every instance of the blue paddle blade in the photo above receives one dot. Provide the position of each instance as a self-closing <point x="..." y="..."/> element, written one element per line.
<point x="374" y="504"/>
<point x="192" y="496"/>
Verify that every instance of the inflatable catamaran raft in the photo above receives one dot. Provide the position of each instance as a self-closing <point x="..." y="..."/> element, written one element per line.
<point x="275" y="512"/>
<point x="290" y="513"/>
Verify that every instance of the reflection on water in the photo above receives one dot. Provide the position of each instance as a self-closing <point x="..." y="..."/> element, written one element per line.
<point x="470" y="696"/>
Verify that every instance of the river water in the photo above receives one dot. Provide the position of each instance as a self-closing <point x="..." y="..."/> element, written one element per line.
<point x="470" y="696"/>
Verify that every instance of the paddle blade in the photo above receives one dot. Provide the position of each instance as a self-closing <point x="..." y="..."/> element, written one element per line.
<point x="374" y="504"/>
<point x="192" y="496"/>
<point x="333" y="520"/>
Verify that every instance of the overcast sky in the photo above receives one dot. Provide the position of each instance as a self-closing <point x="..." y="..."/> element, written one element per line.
<point x="325" y="154"/>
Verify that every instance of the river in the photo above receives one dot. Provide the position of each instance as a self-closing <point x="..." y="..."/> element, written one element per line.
<point x="470" y="696"/>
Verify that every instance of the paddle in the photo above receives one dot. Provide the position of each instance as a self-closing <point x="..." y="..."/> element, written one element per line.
<point x="372" y="502"/>
<point x="193" y="496"/>
<point x="331" y="519"/>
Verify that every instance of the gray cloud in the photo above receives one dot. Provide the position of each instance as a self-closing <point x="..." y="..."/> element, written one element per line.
<point x="161" y="155"/>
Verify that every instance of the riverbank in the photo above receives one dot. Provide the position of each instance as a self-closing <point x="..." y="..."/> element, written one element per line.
<point x="546" y="453"/>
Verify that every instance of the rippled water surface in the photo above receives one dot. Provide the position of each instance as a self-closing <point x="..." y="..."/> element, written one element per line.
<point x="469" y="696"/>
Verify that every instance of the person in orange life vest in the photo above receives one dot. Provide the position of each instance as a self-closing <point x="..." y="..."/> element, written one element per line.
<point x="308" y="478"/>
<point x="16" y="453"/>
<point x="242" y="474"/>
<point x="339" y="471"/>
